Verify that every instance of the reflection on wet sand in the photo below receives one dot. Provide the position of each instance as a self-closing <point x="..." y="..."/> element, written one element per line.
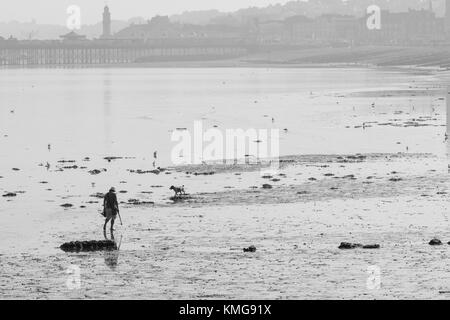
<point x="112" y="256"/>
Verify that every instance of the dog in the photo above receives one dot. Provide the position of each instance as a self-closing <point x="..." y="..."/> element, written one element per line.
<point x="178" y="190"/>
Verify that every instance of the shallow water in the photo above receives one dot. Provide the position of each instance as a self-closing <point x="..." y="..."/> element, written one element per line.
<point x="130" y="112"/>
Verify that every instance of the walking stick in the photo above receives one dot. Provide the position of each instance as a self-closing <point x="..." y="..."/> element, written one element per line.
<point x="120" y="218"/>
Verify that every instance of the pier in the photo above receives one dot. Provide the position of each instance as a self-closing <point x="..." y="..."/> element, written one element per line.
<point x="91" y="52"/>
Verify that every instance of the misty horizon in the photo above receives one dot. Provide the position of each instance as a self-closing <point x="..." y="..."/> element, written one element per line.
<point x="91" y="12"/>
<point x="51" y="12"/>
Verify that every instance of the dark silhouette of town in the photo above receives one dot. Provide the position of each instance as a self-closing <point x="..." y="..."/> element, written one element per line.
<point x="161" y="39"/>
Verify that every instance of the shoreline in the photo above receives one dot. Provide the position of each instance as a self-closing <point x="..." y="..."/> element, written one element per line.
<point x="233" y="64"/>
<point x="423" y="59"/>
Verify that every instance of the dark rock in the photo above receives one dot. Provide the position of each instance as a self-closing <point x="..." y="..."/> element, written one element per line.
<point x="372" y="246"/>
<point x="98" y="195"/>
<point x="86" y="246"/>
<point x="67" y="205"/>
<point x="250" y="249"/>
<point x="267" y="186"/>
<point x="71" y="167"/>
<point x="137" y="202"/>
<point x="180" y="198"/>
<point x="204" y="173"/>
<point x="139" y="171"/>
<point x="357" y="158"/>
<point x="9" y="195"/>
<point x="347" y="245"/>
<point x="97" y="171"/>
<point x="109" y="159"/>
<point x="435" y="242"/>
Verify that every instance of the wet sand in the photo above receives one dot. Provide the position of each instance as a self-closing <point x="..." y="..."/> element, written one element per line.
<point x="297" y="227"/>
<point x="192" y="248"/>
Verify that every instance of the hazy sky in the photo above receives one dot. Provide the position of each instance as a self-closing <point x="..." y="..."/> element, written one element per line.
<point x="54" y="11"/>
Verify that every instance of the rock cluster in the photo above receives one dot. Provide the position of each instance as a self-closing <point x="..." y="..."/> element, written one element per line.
<point x="435" y="242"/>
<point x="347" y="245"/>
<point x="96" y="171"/>
<point x="86" y="246"/>
<point x="9" y="195"/>
<point x="250" y="249"/>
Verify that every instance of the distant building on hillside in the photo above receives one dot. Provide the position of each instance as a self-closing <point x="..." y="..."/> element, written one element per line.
<point x="329" y="28"/>
<point x="272" y="32"/>
<point x="300" y="29"/>
<point x="72" y="36"/>
<point x="161" y="28"/>
<point x="447" y="17"/>
<point x="403" y="28"/>
<point x="414" y="27"/>
<point x="336" y="28"/>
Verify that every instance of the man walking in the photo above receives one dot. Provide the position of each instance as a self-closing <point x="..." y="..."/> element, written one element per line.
<point x="111" y="208"/>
